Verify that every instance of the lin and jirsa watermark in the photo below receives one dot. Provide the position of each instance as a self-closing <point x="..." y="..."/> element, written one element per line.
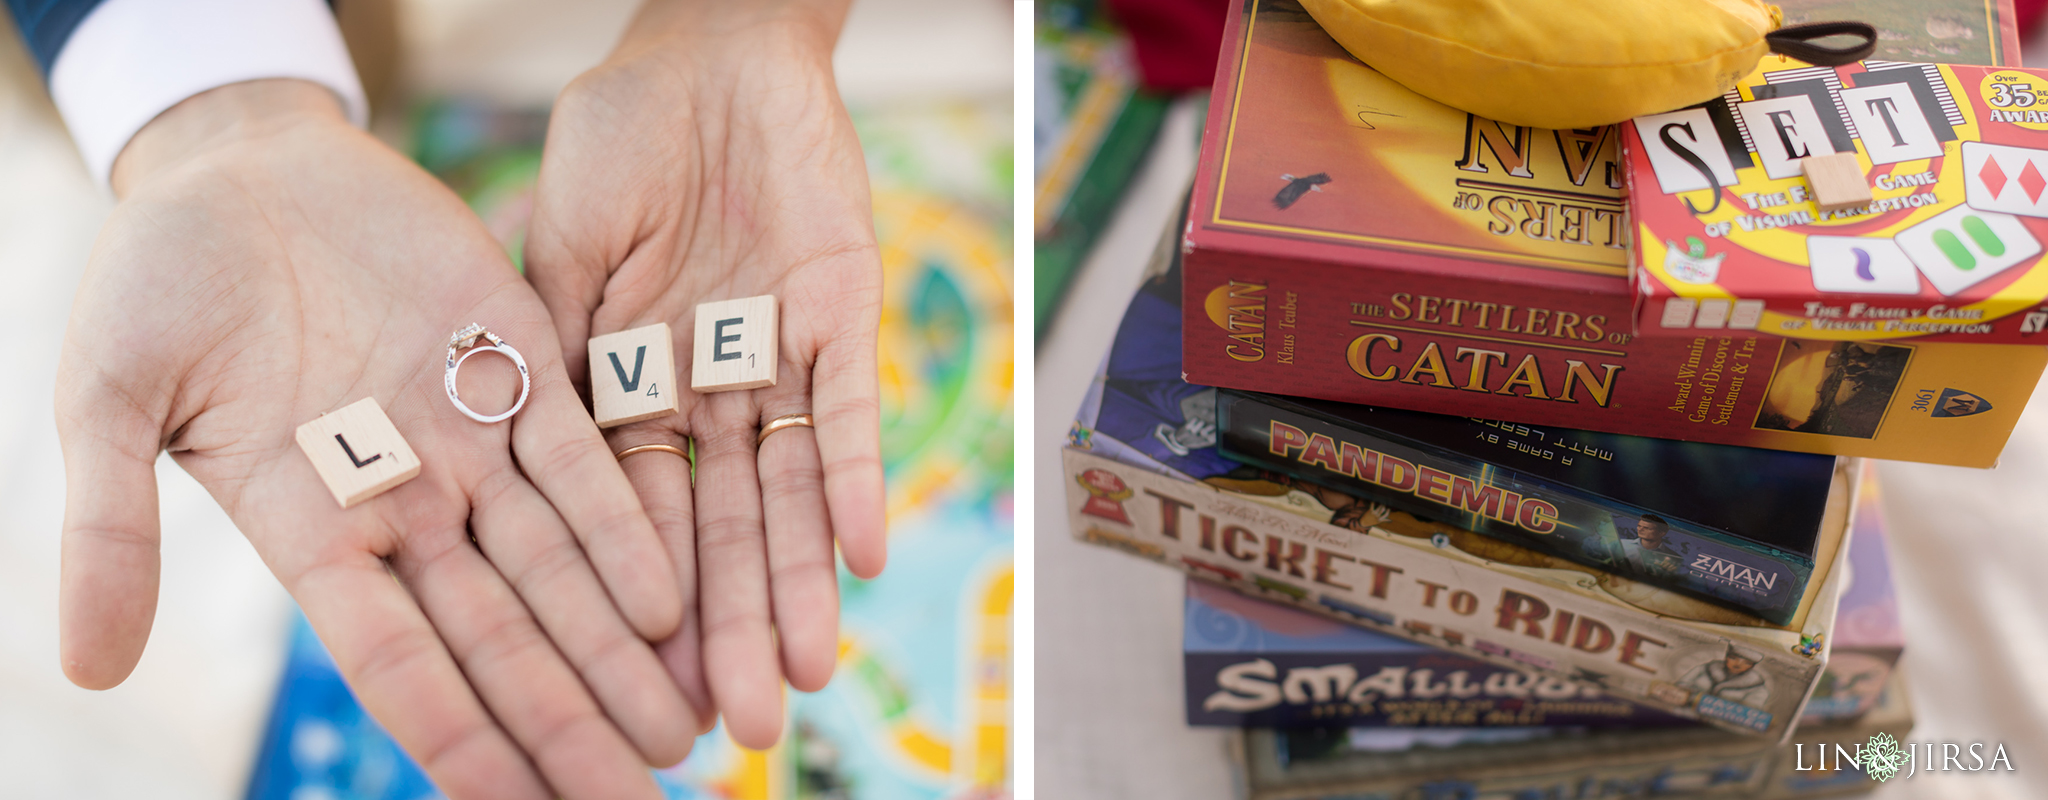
<point x="1883" y="757"/>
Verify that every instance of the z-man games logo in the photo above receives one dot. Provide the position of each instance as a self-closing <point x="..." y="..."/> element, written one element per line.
<point x="1239" y="308"/>
<point x="1722" y="570"/>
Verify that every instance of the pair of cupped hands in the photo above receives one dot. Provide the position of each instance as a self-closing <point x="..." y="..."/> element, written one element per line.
<point x="530" y="617"/>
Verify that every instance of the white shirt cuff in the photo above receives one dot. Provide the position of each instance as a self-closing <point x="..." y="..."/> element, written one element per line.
<point x="130" y="60"/>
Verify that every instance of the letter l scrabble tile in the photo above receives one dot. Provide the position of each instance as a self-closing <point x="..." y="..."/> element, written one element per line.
<point x="735" y="345"/>
<point x="358" y="452"/>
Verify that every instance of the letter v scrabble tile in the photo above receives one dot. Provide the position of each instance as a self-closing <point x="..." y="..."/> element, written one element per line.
<point x="633" y="375"/>
<point x="358" y="452"/>
<point x="735" y="345"/>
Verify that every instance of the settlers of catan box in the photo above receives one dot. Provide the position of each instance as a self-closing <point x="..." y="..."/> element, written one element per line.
<point x="1730" y="235"/>
<point x="1351" y="240"/>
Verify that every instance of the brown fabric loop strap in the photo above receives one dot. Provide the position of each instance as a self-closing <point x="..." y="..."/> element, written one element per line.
<point x="1797" y="41"/>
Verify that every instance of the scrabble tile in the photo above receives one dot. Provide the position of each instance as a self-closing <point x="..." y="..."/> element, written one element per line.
<point x="633" y="375"/>
<point x="1837" y="181"/>
<point x="735" y="345"/>
<point x="358" y="452"/>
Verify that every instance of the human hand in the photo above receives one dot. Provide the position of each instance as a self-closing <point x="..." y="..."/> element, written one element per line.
<point x="270" y="263"/>
<point x="710" y="158"/>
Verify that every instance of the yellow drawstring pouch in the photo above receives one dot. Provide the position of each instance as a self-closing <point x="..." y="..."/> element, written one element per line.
<point x="1574" y="63"/>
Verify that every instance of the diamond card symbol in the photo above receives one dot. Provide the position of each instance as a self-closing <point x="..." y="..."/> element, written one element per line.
<point x="1992" y="176"/>
<point x="1860" y="265"/>
<point x="1963" y="247"/>
<point x="2009" y="179"/>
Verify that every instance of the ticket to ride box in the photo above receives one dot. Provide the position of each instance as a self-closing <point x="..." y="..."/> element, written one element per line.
<point x="1351" y="240"/>
<point x="1249" y="662"/>
<point x="1731" y="234"/>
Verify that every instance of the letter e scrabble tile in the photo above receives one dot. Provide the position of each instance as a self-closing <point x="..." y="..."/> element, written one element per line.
<point x="735" y="345"/>
<point x="633" y="375"/>
<point x="1837" y="181"/>
<point x="358" y="452"/>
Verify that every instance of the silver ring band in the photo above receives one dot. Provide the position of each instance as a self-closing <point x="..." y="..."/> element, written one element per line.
<point x="468" y="338"/>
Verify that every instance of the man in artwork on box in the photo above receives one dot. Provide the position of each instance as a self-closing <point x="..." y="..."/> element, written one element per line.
<point x="1733" y="678"/>
<point x="1655" y="553"/>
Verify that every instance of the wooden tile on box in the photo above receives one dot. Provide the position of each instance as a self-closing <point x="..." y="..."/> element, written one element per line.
<point x="358" y="452"/>
<point x="1837" y="181"/>
<point x="734" y="346"/>
<point x="633" y="375"/>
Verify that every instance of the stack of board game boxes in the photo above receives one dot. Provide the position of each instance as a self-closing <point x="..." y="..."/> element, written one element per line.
<point x="1557" y="443"/>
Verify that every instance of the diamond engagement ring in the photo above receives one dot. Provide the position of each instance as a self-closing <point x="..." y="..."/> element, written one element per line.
<point x="467" y="339"/>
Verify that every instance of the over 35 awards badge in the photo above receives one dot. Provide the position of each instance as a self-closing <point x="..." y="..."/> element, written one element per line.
<point x="1883" y="758"/>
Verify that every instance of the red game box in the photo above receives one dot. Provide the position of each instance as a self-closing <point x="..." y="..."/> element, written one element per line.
<point x="1354" y="241"/>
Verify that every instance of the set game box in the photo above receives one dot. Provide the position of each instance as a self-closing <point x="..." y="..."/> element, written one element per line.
<point x="1351" y="240"/>
<point x="1731" y="237"/>
<point x="1144" y="476"/>
<point x="1735" y="525"/>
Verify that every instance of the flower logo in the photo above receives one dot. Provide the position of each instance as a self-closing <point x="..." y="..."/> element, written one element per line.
<point x="1882" y="757"/>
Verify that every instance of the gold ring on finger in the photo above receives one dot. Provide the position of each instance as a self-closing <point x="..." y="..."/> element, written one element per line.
<point x="665" y="448"/>
<point x="781" y="422"/>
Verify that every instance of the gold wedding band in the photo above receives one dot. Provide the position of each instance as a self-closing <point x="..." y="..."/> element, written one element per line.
<point x="784" y="421"/>
<point x="665" y="448"/>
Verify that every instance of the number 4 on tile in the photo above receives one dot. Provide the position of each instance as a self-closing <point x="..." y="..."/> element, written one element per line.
<point x="734" y="346"/>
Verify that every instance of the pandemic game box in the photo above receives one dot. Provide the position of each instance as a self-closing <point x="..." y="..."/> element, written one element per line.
<point x="1353" y="241"/>
<point x="1734" y="525"/>
<point x="1144" y="476"/>
<point x="1730" y="236"/>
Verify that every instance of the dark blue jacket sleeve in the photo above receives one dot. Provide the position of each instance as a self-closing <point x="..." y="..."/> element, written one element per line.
<point x="47" y="24"/>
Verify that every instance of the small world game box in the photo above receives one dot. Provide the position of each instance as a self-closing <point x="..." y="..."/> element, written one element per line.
<point x="1938" y="237"/>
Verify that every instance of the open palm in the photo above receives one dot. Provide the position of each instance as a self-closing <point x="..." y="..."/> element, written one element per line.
<point x="290" y="268"/>
<point x="713" y="164"/>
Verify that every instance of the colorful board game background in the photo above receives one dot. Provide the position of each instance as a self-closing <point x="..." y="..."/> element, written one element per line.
<point x="920" y="704"/>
